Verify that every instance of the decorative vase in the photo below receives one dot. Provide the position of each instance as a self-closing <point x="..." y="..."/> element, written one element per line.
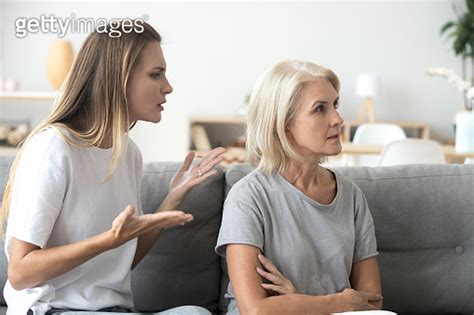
<point x="60" y="58"/>
<point x="465" y="131"/>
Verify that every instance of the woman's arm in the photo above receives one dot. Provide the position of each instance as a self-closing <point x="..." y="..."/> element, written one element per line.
<point x="29" y="265"/>
<point x="365" y="276"/>
<point x="242" y="263"/>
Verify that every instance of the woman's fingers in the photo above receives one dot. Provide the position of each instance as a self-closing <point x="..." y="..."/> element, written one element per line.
<point x="187" y="162"/>
<point x="278" y="281"/>
<point x="268" y="265"/>
<point x="124" y="216"/>
<point x="277" y="288"/>
<point x="212" y="155"/>
<point x="167" y="219"/>
<point x="372" y="297"/>
<point x="204" y="177"/>
<point x="270" y="277"/>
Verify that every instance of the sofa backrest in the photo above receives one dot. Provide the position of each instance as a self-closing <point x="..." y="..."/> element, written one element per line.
<point x="424" y="222"/>
<point x="5" y="164"/>
<point x="182" y="267"/>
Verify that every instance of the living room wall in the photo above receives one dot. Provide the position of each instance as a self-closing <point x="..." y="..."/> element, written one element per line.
<point x="216" y="50"/>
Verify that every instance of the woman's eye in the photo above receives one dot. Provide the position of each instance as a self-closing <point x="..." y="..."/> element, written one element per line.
<point x="320" y="109"/>
<point x="336" y="105"/>
<point x="155" y="75"/>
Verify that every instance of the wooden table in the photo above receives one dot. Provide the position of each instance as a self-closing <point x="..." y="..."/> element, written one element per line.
<point x="449" y="151"/>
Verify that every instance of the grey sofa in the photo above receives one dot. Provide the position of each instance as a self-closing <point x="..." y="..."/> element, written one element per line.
<point x="424" y="219"/>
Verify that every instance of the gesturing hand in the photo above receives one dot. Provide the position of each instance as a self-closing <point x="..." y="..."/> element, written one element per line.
<point x="189" y="176"/>
<point x="127" y="226"/>
<point x="279" y="283"/>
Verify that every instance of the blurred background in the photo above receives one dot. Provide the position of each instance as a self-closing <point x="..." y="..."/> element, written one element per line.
<point x="215" y="51"/>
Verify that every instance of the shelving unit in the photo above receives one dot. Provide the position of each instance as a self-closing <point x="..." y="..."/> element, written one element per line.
<point x="21" y="97"/>
<point x="411" y="128"/>
<point x="208" y="132"/>
<point x="27" y="95"/>
<point x="8" y="150"/>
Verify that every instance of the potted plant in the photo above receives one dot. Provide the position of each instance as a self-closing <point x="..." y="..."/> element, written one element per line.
<point x="461" y="32"/>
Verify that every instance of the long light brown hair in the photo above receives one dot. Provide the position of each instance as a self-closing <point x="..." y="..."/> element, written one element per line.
<point x="93" y="106"/>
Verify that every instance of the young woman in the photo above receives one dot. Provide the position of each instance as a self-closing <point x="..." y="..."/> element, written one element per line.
<point x="311" y="222"/>
<point x="75" y="225"/>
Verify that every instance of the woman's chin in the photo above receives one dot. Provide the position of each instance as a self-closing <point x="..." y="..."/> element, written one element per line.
<point x="154" y="120"/>
<point x="335" y="151"/>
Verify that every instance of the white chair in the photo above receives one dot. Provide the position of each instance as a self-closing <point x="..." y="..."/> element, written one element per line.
<point x="375" y="134"/>
<point x="412" y="151"/>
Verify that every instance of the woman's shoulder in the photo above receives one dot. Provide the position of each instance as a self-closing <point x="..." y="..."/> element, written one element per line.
<point x="134" y="152"/>
<point x="255" y="183"/>
<point x="255" y="178"/>
<point x="47" y="149"/>
<point x="346" y="184"/>
<point x="49" y="140"/>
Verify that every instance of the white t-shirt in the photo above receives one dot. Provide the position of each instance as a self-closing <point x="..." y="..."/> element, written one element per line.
<point x="61" y="196"/>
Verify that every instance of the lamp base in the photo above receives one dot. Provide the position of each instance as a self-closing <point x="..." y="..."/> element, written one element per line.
<point x="366" y="109"/>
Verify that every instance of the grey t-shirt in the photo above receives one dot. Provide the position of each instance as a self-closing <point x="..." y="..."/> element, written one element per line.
<point x="312" y="244"/>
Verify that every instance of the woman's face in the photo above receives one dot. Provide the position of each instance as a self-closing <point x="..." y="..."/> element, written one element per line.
<point x="316" y="128"/>
<point x="147" y="85"/>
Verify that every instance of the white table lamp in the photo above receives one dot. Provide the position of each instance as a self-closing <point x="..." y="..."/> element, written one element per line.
<point x="366" y="87"/>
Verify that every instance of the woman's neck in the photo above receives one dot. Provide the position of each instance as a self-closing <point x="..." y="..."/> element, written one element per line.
<point x="305" y="175"/>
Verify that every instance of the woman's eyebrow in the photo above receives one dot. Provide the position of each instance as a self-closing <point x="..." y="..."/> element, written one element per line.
<point x="325" y="102"/>
<point x="159" y="68"/>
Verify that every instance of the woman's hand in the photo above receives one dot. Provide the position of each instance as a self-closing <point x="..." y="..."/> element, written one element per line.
<point x="127" y="226"/>
<point x="279" y="283"/>
<point x="352" y="300"/>
<point x="189" y="176"/>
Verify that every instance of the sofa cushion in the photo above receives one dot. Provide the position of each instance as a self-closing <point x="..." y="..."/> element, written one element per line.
<point x="182" y="267"/>
<point x="5" y="164"/>
<point x="424" y="219"/>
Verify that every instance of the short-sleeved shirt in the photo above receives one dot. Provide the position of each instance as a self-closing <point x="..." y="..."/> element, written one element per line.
<point x="61" y="195"/>
<point x="314" y="245"/>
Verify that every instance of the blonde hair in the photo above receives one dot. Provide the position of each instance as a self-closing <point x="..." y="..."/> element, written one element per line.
<point x="273" y="104"/>
<point x="93" y="106"/>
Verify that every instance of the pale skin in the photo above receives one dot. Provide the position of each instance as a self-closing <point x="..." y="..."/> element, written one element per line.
<point x="314" y="132"/>
<point x="30" y="265"/>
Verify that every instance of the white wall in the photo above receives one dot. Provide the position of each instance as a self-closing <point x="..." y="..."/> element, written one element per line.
<point x="215" y="51"/>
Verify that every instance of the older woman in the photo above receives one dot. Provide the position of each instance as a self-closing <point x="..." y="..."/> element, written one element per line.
<point x="311" y="222"/>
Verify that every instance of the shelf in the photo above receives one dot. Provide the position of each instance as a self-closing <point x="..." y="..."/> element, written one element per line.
<point x="8" y="150"/>
<point x="208" y="132"/>
<point x="217" y="119"/>
<point x="27" y="95"/>
<point x="412" y="129"/>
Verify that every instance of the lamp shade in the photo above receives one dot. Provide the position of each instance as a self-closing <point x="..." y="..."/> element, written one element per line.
<point x="366" y="85"/>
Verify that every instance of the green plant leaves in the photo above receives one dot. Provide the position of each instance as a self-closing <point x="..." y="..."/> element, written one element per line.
<point x="462" y="31"/>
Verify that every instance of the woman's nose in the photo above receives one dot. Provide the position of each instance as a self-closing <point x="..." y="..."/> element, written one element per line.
<point x="336" y="118"/>
<point x="167" y="88"/>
